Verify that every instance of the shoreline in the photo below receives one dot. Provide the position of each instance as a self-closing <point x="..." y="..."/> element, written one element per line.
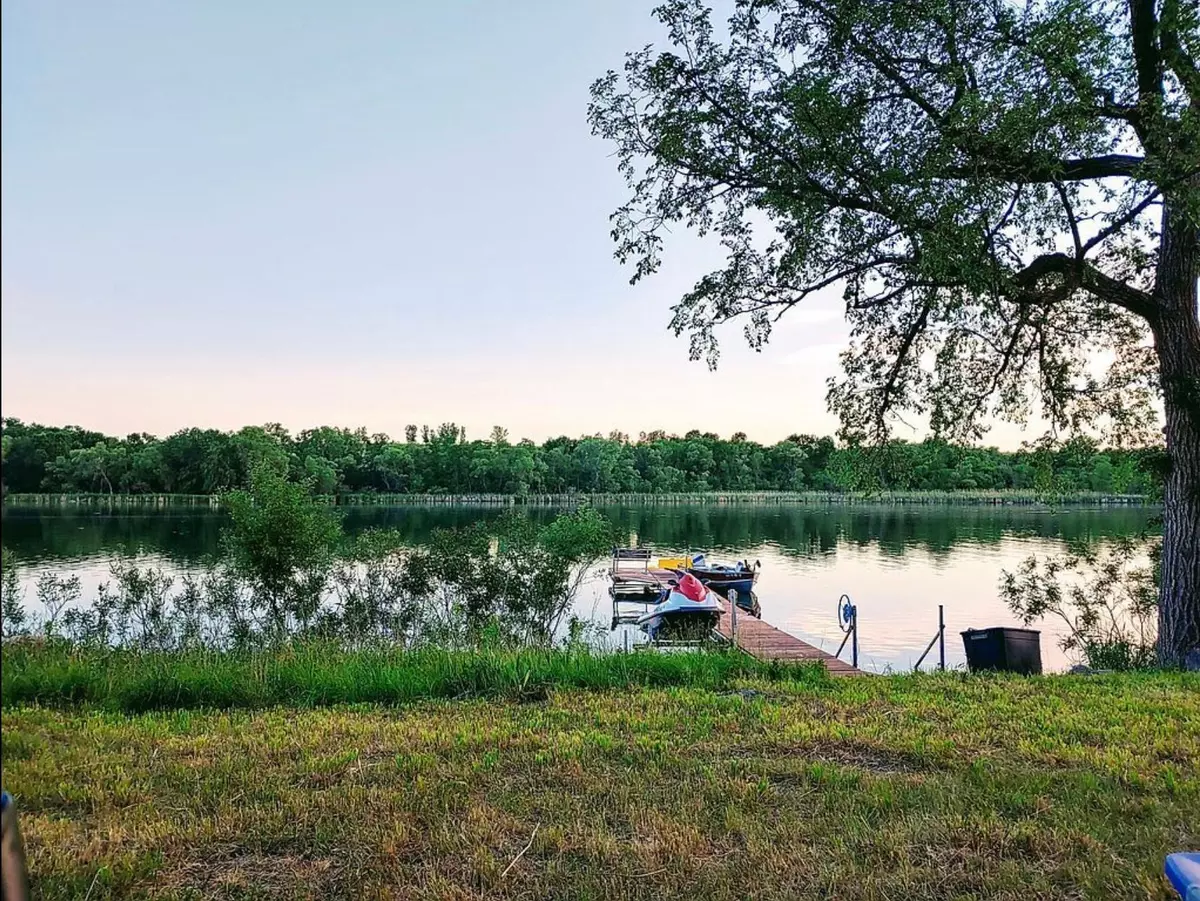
<point x="1006" y="498"/>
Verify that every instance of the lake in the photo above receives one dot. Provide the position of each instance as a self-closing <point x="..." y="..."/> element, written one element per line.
<point x="897" y="563"/>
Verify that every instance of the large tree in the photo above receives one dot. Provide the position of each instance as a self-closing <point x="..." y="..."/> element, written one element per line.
<point x="1009" y="194"/>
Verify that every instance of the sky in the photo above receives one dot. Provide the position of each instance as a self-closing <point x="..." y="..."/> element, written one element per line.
<point x="366" y="213"/>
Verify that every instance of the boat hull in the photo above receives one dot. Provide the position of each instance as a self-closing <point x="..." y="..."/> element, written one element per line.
<point x="723" y="580"/>
<point x="681" y="625"/>
<point x="682" y="616"/>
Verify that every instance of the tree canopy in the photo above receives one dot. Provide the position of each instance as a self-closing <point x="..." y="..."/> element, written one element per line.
<point x="1007" y="195"/>
<point x="986" y="201"/>
<point x="337" y="461"/>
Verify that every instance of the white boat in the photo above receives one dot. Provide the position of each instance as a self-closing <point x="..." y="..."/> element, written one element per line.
<point x="689" y="611"/>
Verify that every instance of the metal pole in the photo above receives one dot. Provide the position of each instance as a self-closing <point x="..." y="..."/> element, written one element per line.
<point x="925" y="653"/>
<point x="842" y="646"/>
<point x="733" y="615"/>
<point x="941" y="638"/>
<point x="854" y="632"/>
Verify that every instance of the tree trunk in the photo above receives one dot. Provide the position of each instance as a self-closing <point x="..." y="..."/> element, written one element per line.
<point x="1177" y="341"/>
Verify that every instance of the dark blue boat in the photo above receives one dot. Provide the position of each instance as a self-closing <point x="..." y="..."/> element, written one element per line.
<point x="739" y="577"/>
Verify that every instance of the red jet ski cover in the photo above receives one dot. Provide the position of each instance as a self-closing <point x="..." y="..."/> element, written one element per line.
<point x="693" y="589"/>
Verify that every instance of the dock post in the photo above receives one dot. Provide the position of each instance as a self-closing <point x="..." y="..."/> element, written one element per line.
<point x="854" y="636"/>
<point x="941" y="638"/>
<point x="733" y="615"/>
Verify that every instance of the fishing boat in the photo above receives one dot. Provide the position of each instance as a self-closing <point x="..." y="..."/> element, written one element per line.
<point x="739" y="577"/>
<point x="690" y="611"/>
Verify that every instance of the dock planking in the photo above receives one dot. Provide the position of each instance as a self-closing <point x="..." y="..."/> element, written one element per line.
<point x="765" y="642"/>
<point x="650" y="576"/>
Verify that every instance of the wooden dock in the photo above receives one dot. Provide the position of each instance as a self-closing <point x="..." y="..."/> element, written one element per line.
<point x="764" y="641"/>
<point x="650" y="579"/>
<point x="635" y="579"/>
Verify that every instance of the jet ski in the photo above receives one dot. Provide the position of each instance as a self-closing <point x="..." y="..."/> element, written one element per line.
<point x="690" y="611"/>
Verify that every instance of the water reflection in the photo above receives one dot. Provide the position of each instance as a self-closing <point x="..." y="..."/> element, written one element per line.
<point x="897" y="563"/>
<point x="189" y="536"/>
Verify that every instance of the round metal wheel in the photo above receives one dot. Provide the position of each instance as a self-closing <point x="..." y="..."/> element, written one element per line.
<point x="845" y="613"/>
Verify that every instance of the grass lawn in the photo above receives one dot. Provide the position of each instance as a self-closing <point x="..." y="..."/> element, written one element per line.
<point x="891" y="788"/>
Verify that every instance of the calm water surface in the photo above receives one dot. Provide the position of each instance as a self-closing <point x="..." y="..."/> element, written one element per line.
<point x="897" y="564"/>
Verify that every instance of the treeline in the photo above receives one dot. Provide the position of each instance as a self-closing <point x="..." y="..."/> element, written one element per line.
<point x="39" y="458"/>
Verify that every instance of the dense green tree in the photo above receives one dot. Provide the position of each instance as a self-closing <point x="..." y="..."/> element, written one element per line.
<point x="255" y="446"/>
<point x="31" y="448"/>
<point x="201" y="461"/>
<point x="1003" y="190"/>
<point x="101" y="467"/>
<point x="786" y="467"/>
<point x="321" y="474"/>
<point x="333" y="461"/>
<point x="281" y="542"/>
<point x="146" y="472"/>
<point x="397" y="468"/>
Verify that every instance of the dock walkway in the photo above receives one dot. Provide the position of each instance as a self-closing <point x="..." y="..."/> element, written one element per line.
<point x="765" y="642"/>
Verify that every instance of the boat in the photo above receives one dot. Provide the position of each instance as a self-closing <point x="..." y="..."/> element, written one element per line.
<point x="690" y="611"/>
<point x="739" y="577"/>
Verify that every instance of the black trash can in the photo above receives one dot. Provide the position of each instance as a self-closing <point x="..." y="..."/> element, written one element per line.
<point x="1005" y="649"/>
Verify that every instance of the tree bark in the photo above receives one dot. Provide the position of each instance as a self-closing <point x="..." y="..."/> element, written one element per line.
<point x="1177" y="341"/>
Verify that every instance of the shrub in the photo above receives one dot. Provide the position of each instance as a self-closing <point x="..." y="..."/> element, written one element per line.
<point x="1108" y="597"/>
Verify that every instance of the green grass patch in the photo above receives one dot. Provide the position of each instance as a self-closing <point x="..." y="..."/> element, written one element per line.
<point x="317" y="675"/>
<point x="914" y="787"/>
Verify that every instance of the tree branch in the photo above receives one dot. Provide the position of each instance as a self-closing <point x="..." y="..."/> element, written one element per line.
<point x="1117" y="224"/>
<point x="889" y="386"/>
<point x="1175" y="55"/>
<point x="1006" y="359"/>
<point x="1029" y="169"/>
<point x="1070" y="213"/>
<point x="840" y="275"/>
<point x="832" y="197"/>
<point x="1143" y="27"/>
<point x="1079" y="274"/>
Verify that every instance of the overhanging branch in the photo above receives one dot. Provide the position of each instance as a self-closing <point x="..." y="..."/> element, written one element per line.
<point x="1080" y="275"/>
<point x="1032" y="170"/>
<point x="889" y="386"/>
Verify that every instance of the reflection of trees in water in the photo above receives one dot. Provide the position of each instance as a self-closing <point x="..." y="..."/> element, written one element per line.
<point x="188" y="537"/>
<point x="808" y="531"/>
<point x="55" y="535"/>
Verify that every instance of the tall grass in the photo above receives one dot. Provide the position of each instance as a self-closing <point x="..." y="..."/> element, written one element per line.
<point x="315" y="675"/>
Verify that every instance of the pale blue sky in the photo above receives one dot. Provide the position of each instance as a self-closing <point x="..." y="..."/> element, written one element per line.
<point x="225" y="213"/>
